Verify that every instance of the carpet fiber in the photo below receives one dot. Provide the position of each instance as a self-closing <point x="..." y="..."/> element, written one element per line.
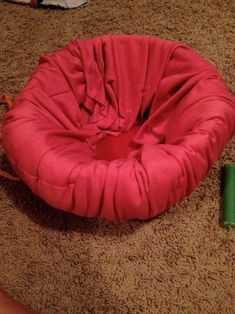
<point x="181" y="262"/>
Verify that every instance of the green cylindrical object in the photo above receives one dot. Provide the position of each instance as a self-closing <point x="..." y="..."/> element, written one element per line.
<point x="229" y="195"/>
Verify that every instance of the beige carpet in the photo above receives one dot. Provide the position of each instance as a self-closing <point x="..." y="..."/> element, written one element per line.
<point x="181" y="262"/>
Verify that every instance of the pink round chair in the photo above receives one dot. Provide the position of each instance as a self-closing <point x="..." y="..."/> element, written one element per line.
<point x="118" y="127"/>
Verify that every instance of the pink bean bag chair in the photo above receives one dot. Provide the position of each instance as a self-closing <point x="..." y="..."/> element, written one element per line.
<point x="118" y="127"/>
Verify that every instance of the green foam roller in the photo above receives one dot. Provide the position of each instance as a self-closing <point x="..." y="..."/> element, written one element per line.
<point x="229" y="195"/>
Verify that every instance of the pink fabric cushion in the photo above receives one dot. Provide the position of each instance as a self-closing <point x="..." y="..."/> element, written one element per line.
<point x="172" y="106"/>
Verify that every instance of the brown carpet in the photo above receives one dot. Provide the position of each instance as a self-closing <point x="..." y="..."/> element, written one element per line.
<point x="181" y="262"/>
